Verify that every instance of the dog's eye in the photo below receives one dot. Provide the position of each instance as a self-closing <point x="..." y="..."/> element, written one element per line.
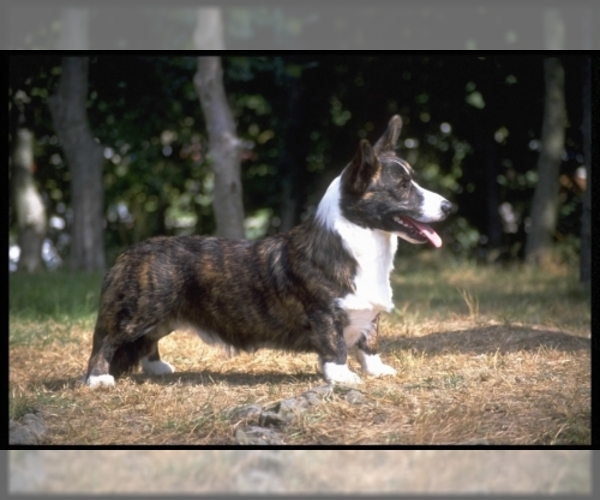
<point x="404" y="183"/>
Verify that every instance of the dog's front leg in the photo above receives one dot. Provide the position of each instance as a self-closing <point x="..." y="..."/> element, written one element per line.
<point x="328" y="340"/>
<point x="338" y="373"/>
<point x="367" y="353"/>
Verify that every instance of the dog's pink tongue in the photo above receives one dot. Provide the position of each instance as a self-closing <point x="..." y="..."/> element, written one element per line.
<point x="427" y="231"/>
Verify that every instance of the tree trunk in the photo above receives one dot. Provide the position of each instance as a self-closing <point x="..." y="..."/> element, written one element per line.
<point x="208" y="34"/>
<point x="292" y="159"/>
<point x="85" y="159"/>
<point x="28" y="204"/>
<point x="494" y="222"/>
<point x="224" y="148"/>
<point x="554" y="29"/>
<point x="585" y="271"/>
<point x="544" y="206"/>
<point x="74" y="29"/>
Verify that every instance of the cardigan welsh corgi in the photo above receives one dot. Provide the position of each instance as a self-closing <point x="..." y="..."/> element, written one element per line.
<point x="317" y="288"/>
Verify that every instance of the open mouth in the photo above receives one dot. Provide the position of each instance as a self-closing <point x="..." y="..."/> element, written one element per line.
<point x="417" y="232"/>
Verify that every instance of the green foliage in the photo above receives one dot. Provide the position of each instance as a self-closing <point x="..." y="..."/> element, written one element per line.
<point x="245" y="23"/>
<point x="465" y="119"/>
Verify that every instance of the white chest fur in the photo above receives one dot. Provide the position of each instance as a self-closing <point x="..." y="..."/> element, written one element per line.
<point x="374" y="252"/>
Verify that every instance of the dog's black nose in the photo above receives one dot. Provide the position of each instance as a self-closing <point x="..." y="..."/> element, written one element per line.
<point x="446" y="207"/>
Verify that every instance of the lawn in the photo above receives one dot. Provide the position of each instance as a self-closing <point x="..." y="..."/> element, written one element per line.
<point x="300" y="471"/>
<point x="484" y="355"/>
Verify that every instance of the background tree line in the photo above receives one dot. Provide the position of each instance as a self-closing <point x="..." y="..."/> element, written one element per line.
<point x="483" y="131"/>
<point x="307" y="24"/>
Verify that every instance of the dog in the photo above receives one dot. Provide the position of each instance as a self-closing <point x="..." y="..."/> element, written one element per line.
<point x="317" y="288"/>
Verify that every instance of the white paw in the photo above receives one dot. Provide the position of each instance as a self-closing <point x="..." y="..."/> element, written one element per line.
<point x="339" y="374"/>
<point x="95" y="381"/>
<point x="372" y="364"/>
<point x="156" y="367"/>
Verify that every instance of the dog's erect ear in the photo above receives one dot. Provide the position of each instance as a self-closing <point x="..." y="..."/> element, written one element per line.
<point x="387" y="142"/>
<point x="363" y="168"/>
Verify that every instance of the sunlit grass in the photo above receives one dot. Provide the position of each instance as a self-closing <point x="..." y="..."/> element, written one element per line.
<point x="499" y="354"/>
<point x="304" y="471"/>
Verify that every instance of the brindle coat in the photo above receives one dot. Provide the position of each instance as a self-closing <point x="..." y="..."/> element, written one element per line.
<point x="280" y="292"/>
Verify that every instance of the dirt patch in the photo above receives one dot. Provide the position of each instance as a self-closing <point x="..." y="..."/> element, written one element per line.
<point x="300" y="471"/>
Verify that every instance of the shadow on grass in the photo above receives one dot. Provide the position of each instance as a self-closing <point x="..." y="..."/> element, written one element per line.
<point x="205" y="377"/>
<point x="480" y="340"/>
<point x="488" y="340"/>
<point x="208" y="377"/>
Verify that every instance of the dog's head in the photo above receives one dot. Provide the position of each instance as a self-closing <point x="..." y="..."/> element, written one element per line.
<point x="378" y="191"/>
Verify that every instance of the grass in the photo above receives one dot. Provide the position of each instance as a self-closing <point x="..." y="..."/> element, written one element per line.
<point x="499" y="355"/>
<point x="52" y="307"/>
<point x="301" y="471"/>
<point x="57" y="295"/>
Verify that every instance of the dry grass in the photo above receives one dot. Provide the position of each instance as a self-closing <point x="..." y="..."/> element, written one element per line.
<point x="301" y="471"/>
<point x="500" y="356"/>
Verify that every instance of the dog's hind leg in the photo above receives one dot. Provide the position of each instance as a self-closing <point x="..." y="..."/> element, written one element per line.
<point x="113" y="355"/>
<point x="367" y="355"/>
<point x="100" y="361"/>
<point x="152" y="364"/>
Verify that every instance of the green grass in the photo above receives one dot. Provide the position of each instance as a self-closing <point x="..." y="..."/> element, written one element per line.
<point x="48" y="307"/>
<point x="56" y="295"/>
<point x="20" y="404"/>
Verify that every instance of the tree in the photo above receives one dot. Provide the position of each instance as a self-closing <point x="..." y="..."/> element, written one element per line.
<point x="85" y="160"/>
<point x="27" y="202"/>
<point x="292" y="158"/>
<point x="554" y="29"/>
<point x="74" y="29"/>
<point x="545" y="199"/>
<point x="585" y="271"/>
<point x="208" y="34"/>
<point x="304" y="115"/>
<point x="224" y="148"/>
